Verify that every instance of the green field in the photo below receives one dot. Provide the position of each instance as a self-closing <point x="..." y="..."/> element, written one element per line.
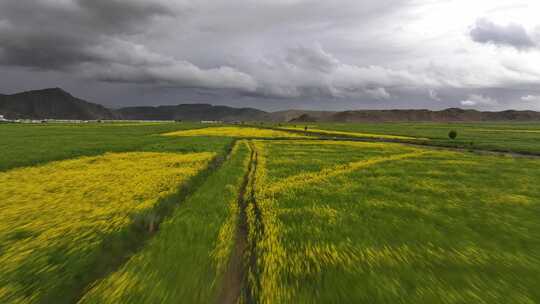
<point x="25" y="144"/>
<point x="151" y="213"/>
<point x="512" y="137"/>
<point x="429" y="227"/>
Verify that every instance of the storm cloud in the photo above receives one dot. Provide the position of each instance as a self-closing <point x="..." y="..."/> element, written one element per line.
<point x="95" y="38"/>
<point x="275" y="54"/>
<point x="513" y="34"/>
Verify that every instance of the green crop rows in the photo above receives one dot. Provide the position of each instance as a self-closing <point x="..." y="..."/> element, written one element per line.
<point x="151" y="213"/>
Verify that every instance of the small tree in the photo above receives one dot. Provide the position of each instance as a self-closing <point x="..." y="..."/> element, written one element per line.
<point x="452" y="134"/>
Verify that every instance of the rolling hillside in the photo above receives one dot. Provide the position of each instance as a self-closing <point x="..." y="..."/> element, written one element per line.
<point x="52" y="103"/>
<point x="56" y="103"/>
<point x="193" y="112"/>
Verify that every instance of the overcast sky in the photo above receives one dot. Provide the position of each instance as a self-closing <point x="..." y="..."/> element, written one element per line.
<point x="277" y="54"/>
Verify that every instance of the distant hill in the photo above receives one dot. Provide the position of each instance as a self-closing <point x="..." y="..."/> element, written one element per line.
<point x="193" y="112"/>
<point x="448" y="115"/>
<point x="299" y="115"/>
<point x="51" y="103"/>
<point x="58" y="104"/>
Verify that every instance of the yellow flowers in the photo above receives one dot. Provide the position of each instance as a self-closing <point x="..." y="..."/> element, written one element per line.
<point x="344" y="224"/>
<point x="187" y="261"/>
<point x="246" y="132"/>
<point x="276" y="256"/>
<point x="57" y="214"/>
<point x="304" y="179"/>
<point x="353" y="134"/>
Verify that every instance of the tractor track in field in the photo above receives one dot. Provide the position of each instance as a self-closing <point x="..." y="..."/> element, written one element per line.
<point x="237" y="286"/>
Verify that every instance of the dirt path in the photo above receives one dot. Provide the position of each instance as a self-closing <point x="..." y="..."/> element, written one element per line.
<point x="235" y="280"/>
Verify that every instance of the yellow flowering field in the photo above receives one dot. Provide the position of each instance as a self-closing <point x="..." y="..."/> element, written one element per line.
<point x="53" y="217"/>
<point x="245" y="132"/>
<point x="186" y="262"/>
<point x="352" y="134"/>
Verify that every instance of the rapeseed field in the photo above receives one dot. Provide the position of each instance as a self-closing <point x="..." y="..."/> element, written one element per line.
<point x="188" y="258"/>
<point x="270" y="217"/>
<point x="243" y="132"/>
<point x="311" y="129"/>
<point x="54" y="217"/>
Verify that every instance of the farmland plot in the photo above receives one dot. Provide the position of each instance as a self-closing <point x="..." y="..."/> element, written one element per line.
<point x="314" y="129"/>
<point x="239" y="132"/>
<point x="415" y="227"/>
<point x="189" y="257"/>
<point x="54" y="217"/>
<point x="513" y="137"/>
<point x="294" y="219"/>
<point x="29" y="145"/>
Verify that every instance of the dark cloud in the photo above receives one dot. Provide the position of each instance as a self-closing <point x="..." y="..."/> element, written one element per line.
<point x="512" y="35"/>
<point x="266" y="53"/>
<point x="121" y="15"/>
<point x="59" y="34"/>
<point x="315" y="59"/>
<point x="92" y="38"/>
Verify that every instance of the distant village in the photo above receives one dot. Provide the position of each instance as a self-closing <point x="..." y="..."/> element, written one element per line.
<point x="3" y="119"/>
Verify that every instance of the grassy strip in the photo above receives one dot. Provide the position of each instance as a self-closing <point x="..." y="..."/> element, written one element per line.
<point x="186" y="261"/>
<point x="265" y="229"/>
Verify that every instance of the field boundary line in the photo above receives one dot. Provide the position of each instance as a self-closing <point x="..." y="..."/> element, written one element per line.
<point x="314" y="177"/>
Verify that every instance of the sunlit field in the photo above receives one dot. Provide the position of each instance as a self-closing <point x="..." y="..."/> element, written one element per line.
<point x="188" y="213"/>
<point x="242" y="132"/>
<point x="312" y="129"/>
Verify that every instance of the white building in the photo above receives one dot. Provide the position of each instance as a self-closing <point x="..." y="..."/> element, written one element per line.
<point x="2" y="118"/>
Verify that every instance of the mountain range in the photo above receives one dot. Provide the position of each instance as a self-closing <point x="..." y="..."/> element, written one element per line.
<point x="55" y="103"/>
